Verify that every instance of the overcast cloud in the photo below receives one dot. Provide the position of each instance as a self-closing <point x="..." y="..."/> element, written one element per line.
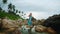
<point x="40" y="8"/>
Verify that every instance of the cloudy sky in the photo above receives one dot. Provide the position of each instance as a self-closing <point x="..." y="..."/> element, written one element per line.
<point x="39" y="8"/>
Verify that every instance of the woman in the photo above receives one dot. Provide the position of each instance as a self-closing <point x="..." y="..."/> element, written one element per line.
<point x="30" y="19"/>
<point x="30" y="23"/>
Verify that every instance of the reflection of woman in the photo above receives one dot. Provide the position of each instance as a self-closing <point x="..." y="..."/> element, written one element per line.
<point x="30" y="19"/>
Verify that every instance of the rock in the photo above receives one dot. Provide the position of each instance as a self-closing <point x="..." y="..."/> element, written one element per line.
<point x="53" y="22"/>
<point x="17" y="32"/>
<point x="11" y="29"/>
<point x="40" y="28"/>
<point x="2" y="33"/>
<point x="0" y="24"/>
<point x="51" y="31"/>
<point x="8" y="24"/>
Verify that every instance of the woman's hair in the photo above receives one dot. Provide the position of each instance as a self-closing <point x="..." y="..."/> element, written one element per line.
<point x="30" y="14"/>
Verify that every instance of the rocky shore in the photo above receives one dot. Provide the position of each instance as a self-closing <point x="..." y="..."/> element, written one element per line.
<point x="20" y="27"/>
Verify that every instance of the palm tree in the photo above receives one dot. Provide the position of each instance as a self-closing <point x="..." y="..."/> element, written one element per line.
<point x="0" y="8"/>
<point x="16" y="11"/>
<point x="4" y="1"/>
<point x="22" y="12"/>
<point x="10" y="6"/>
<point x="13" y="7"/>
<point x="19" y="11"/>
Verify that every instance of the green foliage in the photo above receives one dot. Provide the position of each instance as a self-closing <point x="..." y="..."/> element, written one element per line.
<point x="10" y="16"/>
<point x="16" y="11"/>
<point x="2" y="14"/>
<point x="11" y="11"/>
<point x="0" y="8"/>
<point x="13" y="7"/>
<point x="19" y="11"/>
<point x="4" y="1"/>
<point x="10" y="6"/>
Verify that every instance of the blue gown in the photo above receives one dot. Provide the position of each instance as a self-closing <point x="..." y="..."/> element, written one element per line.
<point x="30" y="21"/>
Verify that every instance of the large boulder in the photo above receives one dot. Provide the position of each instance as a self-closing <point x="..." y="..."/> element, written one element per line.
<point x="40" y="28"/>
<point x="8" y="26"/>
<point x="53" y="22"/>
<point x="8" y="23"/>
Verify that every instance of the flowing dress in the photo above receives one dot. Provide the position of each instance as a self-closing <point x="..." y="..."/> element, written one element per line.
<point x="30" y="21"/>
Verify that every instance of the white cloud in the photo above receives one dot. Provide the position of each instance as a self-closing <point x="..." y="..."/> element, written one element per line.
<point x="39" y="8"/>
<point x="37" y="5"/>
<point x="38" y="15"/>
<point x="41" y="14"/>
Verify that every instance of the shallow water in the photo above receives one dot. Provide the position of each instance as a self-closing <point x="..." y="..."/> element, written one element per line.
<point x="25" y="31"/>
